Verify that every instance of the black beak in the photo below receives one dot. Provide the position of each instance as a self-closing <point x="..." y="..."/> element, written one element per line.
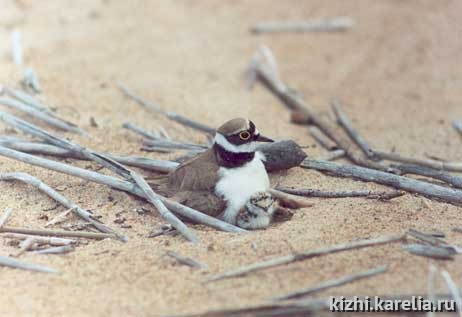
<point x="261" y="138"/>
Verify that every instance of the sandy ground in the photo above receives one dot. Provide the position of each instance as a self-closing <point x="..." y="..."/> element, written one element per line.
<point x="398" y="71"/>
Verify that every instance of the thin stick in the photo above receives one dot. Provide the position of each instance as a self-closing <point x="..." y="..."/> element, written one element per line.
<point x="47" y="149"/>
<point x="170" y="144"/>
<point x="119" y="184"/>
<point x="30" y="81"/>
<point x="6" y="216"/>
<point x="429" y="251"/>
<point x="322" y="139"/>
<point x="56" y="250"/>
<point x="445" y="166"/>
<point x="453" y="290"/>
<point x="271" y="80"/>
<point x="426" y="238"/>
<point x="457" y="126"/>
<point x="39" y="239"/>
<point x="457" y="229"/>
<point x="187" y="261"/>
<point x="455" y="181"/>
<point x="342" y="194"/>
<point x="171" y="115"/>
<point x="15" y="263"/>
<point x="333" y="155"/>
<point x="109" y="163"/>
<point x="347" y="125"/>
<point x="141" y="131"/>
<point x="306" y="255"/>
<point x="44" y="116"/>
<point x="58" y="233"/>
<point x="333" y="283"/>
<point x="431" y="288"/>
<point x="26" y="98"/>
<point x="154" y="199"/>
<point x="16" y="47"/>
<point x="25" y="245"/>
<point x="84" y="214"/>
<point x="316" y="25"/>
<point x="445" y="194"/>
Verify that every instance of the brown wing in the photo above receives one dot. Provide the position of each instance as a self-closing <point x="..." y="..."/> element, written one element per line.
<point x="203" y="201"/>
<point x="197" y="174"/>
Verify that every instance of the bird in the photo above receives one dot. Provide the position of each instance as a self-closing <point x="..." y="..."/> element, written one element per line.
<point x="258" y="212"/>
<point x="221" y="180"/>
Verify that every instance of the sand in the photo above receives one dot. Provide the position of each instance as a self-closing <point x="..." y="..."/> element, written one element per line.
<point x="398" y="72"/>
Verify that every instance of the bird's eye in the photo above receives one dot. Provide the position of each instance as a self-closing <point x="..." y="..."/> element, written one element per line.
<point x="244" y="135"/>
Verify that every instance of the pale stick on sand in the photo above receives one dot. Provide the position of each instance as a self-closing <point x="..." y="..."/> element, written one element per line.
<point x="347" y="125"/>
<point x="187" y="260"/>
<point x="54" y="241"/>
<point x="30" y="81"/>
<point x="25" y="246"/>
<point x="455" y="181"/>
<point x="47" y="149"/>
<point x="305" y="255"/>
<point x="445" y="194"/>
<point x="457" y="126"/>
<point x="332" y="283"/>
<point x="171" y="115"/>
<point x="56" y="250"/>
<point x="59" y="233"/>
<point x="44" y="116"/>
<point x="25" y="98"/>
<point x="87" y="216"/>
<point x="16" y="47"/>
<point x="455" y="293"/>
<point x="432" y="270"/>
<point x="445" y="166"/>
<point x="14" y="263"/>
<point x="141" y="131"/>
<point x="315" y="25"/>
<point x="6" y="216"/>
<point x="430" y="251"/>
<point x="343" y="194"/>
<point x="117" y="183"/>
<point x="110" y="164"/>
<point x="322" y="139"/>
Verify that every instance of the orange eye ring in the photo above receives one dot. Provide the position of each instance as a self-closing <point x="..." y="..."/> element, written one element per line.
<point x="245" y="135"/>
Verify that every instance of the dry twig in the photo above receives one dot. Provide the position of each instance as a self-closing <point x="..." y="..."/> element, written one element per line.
<point x="430" y="251"/>
<point x="56" y="250"/>
<point x="316" y="25"/>
<point x="187" y="260"/>
<point x="47" y="117"/>
<point x="333" y="283"/>
<point x="457" y="126"/>
<point x="306" y="255"/>
<point x="58" y="233"/>
<point x="342" y="194"/>
<point x="455" y="293"/>
<point x="449" y="195"/>
<point x="444" y="166"/>
<point x="347" y="125"/>
<point x="6" y="216"/>
<point x="14" y="263"/>
<point x="54" y="241"/>
<point x="84" y="214"/>
<point x="455" y="181"/>
<point x="171" y="115"/>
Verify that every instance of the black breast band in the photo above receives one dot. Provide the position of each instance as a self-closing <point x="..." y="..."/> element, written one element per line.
<point x="231" y="159"/>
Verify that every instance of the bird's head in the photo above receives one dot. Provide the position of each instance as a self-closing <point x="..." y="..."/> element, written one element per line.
<point x="239" y="135"/>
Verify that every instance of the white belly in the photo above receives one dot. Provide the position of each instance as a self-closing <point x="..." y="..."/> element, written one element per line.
<point x="238" y="184"/>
